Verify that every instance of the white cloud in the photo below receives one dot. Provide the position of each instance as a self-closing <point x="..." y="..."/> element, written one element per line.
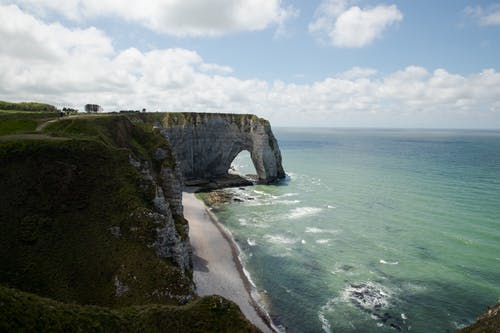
<point x="345" y="26"/>
<point x="356" y="73"/>
<point x="485" y="16"/>
<point x="47" y="62"/>
<point x="175" y="17"/>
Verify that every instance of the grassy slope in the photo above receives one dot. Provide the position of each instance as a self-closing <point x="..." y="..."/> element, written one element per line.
<point x="24" y="312"/>
<point x="14" y="119"/>
<point x="27" y="107"/>
<point x="58" y="201"/>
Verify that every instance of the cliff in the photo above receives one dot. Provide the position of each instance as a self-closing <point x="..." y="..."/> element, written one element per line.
<point x="91" y="215"/>
<point x="488" y="322"/>
<point x="206" y="144"/>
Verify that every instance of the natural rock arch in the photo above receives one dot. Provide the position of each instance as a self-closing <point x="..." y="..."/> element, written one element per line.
<point x="206" y="144"/>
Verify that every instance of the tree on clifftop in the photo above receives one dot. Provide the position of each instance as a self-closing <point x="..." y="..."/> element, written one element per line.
<point x="92" y="108"/>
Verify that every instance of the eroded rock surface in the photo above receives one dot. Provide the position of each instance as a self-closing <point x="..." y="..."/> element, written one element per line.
<point x="206" y="144"/>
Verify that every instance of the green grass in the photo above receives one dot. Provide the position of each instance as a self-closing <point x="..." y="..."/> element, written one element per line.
<point x="27" y="106"/>
<point x="14" y="126"/>
<point x="25" y="312"/>
<point x="112" y="130"/>
<point x="58" y="201"/>
<point x="16" y="121"/>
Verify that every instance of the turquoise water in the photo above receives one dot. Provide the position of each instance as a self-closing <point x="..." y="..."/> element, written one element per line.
<point x="375" y="230"/>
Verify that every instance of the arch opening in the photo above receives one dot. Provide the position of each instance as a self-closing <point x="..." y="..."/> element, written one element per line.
<point x="243" y="166"/>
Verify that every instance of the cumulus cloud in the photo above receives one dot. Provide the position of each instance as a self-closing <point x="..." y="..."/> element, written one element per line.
<point x="485" y="16"/>
<point x="342" y="25"/>
<point x="48" y="62"/>
<point x="175" y="17"/>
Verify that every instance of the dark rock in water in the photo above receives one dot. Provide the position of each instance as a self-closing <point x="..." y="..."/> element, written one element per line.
<point x="346" y="268"/>
<point x="373" y="299"/>
<point x="238" y="200"/>
<point x="396" y="327"/>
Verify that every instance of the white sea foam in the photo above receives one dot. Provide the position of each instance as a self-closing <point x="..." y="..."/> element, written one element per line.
<point x="368" y="295"/>
<point x="322" y="241"/>
<point x="261" y="193"/>
<point x="314" y="230"/>
<point x="403" y="316"/>
<point x="383" y="262"/>
<point x="300" y="212"/>
<point x="286" y="202"/>
<point x="325" y="324"/>
<point x="288" y="195"/>
<point x="251" y="242"/>
<point x="243" y="221"/>
<point x="331" y="207"/>
<point x="279" y="239"/>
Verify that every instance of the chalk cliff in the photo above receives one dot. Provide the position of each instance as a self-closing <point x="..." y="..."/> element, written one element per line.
<point x="91" y="214"/>
<point x="206" y="144"/>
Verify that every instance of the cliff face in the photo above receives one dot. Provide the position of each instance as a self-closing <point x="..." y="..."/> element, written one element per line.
<point x="206" y="144"/>
<point x="94" y="215"/>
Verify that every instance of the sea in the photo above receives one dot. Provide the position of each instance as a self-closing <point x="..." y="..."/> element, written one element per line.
<point x="373" y="230"/>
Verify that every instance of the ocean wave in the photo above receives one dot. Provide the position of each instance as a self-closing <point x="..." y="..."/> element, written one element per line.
<point x="279" y="239"/>
<point x="383" y="262"/>
<point x="286" y="195"/>
<point x="251" y="242"/>
<point x="322" y="241"/>
<point x="300" y="212"/>
<point x="286" y="202"/>
<point x="325" y="324"/>
<point x="314" y="230"/>
<point x="368" y="296"/>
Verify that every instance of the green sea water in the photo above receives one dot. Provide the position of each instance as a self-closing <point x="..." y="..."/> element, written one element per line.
<point x="374" y="230"/>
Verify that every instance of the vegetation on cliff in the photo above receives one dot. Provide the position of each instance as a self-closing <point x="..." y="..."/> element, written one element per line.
<point x="80" y="225"/>
<point x="25" y="312"/>
<point x="488" y="322"/>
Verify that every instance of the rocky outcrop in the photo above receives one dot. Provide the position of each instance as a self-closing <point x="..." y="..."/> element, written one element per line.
<point x="206" y="144"/>
<point x="171" y="239"/>
<point x="488" y="322"/>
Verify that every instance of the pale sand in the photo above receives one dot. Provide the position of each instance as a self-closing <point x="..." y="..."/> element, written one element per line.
<point x="216" y="266"/>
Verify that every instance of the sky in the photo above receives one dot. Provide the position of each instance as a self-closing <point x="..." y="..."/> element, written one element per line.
<point x="328" y="63"/>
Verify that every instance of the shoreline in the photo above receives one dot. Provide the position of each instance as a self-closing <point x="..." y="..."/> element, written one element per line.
<point x="263" y="314"/>
<point x="230" y="281"/>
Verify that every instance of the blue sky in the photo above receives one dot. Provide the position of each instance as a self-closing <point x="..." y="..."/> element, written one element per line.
<point x="355" y="63"/>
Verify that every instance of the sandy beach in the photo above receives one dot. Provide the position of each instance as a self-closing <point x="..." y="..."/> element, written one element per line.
<point x="216" y="266"/>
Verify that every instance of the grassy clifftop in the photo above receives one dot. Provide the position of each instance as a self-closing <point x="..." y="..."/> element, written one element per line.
<point x="23" y="117"/>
